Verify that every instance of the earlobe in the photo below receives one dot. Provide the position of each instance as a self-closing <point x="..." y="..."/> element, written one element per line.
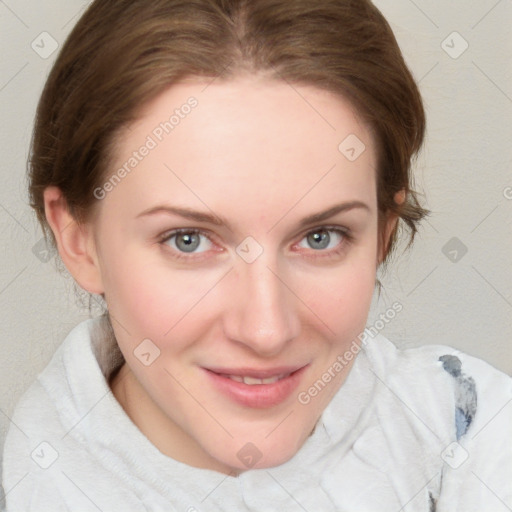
<point x="74" y="242"/>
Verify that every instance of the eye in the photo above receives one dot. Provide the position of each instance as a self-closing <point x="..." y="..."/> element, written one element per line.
<point x="187" y="241"/>
<point x="324" y="238"/>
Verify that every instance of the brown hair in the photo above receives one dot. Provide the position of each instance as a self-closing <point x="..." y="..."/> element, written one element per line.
<point x="123" y="53"/>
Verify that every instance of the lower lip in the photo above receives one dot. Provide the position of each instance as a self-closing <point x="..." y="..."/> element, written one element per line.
<point x="257" y="395"/>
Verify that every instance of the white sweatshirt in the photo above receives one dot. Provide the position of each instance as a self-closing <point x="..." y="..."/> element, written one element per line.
<point x="420" y="430"/>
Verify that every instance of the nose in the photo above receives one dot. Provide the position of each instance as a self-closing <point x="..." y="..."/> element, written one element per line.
<point x="261" y="312"/>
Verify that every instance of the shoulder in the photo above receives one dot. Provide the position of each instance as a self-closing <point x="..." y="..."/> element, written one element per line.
<point x="49" y="399"/>
<point x="475" y="387"/>
<point x="37" y="423"/>
<point x="467" y="404"/>
<point x="44" y="446"/>
<point x="427" y="360"/>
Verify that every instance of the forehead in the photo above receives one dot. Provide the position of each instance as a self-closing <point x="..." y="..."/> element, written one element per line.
<point x="257" y="141"/>
<point x="254" y="110"/>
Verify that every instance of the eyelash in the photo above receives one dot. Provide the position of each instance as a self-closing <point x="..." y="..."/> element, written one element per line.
<point x="347" y="239"/>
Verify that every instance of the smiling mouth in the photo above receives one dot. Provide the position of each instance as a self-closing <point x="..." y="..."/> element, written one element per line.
<point x="251" y="381"/>
<point x="257" y="388"/>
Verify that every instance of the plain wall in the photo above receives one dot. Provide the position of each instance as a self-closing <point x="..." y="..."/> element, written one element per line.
<point x="449" y="296"/>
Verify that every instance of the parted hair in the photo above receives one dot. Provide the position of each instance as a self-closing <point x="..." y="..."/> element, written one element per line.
<point x="123" y="53"/>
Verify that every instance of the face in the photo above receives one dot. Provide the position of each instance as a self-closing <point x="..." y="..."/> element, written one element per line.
<point x="237" y="255"/>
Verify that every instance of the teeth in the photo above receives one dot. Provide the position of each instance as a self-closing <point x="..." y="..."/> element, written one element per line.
<point x="252" y="381"/>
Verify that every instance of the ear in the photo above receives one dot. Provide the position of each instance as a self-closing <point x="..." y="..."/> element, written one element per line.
<point x="75" y="242"/>
<point x="390" y="225"/>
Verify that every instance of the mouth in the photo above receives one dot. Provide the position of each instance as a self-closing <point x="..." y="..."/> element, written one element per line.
<point x="256" y="388"/>
<point x="251" y="381"/>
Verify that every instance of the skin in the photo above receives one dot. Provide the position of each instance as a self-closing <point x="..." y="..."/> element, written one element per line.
<point x="263" y="156"/>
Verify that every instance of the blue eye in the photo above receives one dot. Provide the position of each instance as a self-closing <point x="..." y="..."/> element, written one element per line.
<point x="322" y="238"/>
<point x="188" y="241"/>
<point x="193" y="244"/>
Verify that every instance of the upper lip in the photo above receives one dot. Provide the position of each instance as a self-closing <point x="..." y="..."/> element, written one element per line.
<point x="256" y="373"/>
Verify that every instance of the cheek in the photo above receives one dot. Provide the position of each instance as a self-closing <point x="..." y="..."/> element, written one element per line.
<point x="150" y="299"/>
<point x="340" y="297"/>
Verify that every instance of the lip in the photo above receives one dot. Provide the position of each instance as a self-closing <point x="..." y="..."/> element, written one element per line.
<point x="258" y="396"/>
<point x="254" y="372"/>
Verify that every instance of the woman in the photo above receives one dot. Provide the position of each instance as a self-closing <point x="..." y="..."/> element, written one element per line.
<point x="228" y="176"/>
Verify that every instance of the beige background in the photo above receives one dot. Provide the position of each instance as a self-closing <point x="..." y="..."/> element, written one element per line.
<point x="464" y="171"/>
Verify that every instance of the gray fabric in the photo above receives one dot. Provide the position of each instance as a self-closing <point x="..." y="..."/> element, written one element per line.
<point x="465" y="394"/>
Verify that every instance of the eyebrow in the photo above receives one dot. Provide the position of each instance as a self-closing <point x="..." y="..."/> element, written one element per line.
<point x="216" y="220"/>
